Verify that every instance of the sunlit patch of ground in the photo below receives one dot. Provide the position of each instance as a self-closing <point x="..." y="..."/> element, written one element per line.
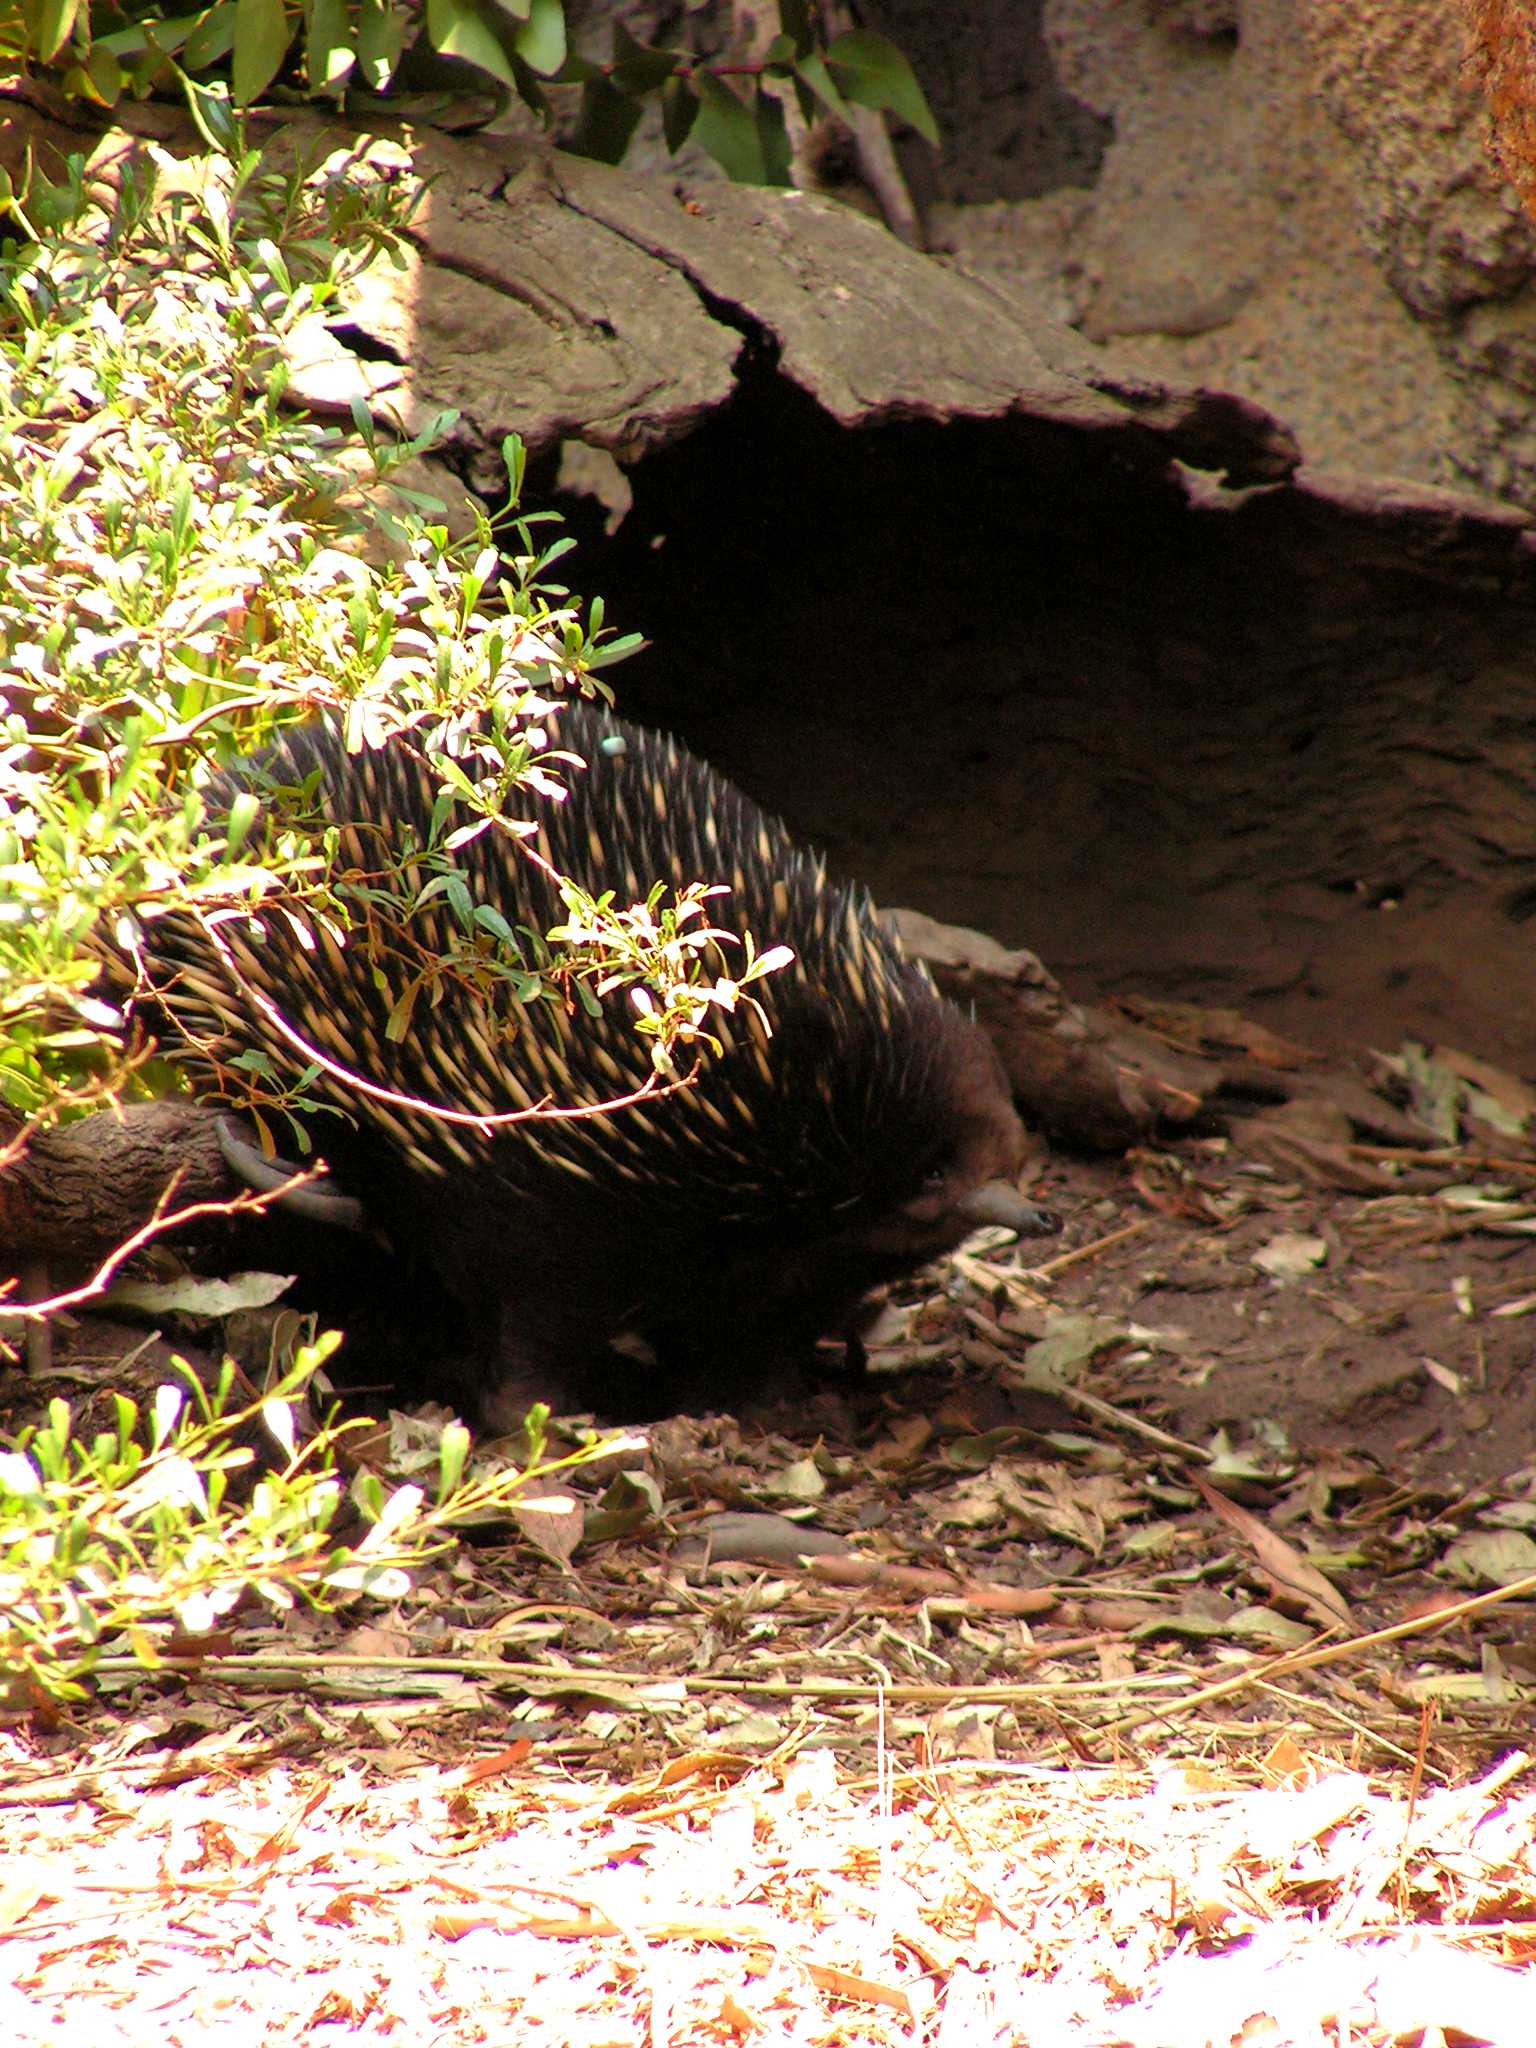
<point x="495" y="1898"/>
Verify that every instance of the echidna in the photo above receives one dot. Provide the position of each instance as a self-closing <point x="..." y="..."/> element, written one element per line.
<point x="669" y="1254"/>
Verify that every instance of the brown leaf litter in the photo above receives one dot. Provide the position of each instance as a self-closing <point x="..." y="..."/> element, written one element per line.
<point x="1137" y="1657"/>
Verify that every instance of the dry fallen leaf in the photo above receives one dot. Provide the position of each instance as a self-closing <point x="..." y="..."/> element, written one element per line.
<point x="1285" y="1568"/>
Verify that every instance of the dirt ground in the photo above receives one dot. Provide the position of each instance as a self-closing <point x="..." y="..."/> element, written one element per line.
<point x="1408" y="1343"/>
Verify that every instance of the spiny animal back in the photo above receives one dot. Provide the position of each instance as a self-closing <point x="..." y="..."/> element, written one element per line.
<point x="826" y="1110"/>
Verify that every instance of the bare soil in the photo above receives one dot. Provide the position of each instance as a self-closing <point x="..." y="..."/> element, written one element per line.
<point x="1410" y="1344"/>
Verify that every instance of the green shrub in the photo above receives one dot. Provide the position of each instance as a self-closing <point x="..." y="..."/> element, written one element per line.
<point x="185" y="566"/>
<point x="143" y="1538"/>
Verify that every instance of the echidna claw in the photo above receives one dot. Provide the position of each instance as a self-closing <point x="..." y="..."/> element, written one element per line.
<point x="316" y="1196"/>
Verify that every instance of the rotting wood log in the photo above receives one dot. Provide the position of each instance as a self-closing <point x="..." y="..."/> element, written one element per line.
<point x="1089" y="1080"/>
<point x="75" y="1192"/>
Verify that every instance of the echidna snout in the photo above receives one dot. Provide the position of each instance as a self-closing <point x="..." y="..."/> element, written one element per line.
<point x="719" y="1230"/>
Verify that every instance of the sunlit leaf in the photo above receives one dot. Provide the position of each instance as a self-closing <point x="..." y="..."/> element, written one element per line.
<point x="55" y="21"/>
<point x="164" y="36"/>
<point x="100" y="78"/>
<point x="381" y="29"/>
<point x="328" y="51"/>
<point x="456" y="29"/>
<point x="541" y="40"/>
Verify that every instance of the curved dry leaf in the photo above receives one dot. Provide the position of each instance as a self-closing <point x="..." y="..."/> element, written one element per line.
<point x="1285" y="1567"/>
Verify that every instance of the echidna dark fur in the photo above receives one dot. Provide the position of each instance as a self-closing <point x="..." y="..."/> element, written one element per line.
<point x="674" y="1253"/>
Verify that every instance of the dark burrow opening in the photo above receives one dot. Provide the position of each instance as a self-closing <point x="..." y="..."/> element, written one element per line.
<point x="1269" y="749"/>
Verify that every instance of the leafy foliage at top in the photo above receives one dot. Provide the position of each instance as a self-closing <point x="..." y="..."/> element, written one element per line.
<point x="349" y="51"/>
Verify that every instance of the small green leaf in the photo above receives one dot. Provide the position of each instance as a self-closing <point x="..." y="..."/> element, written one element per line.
<point x="873" y="73"/>
<point x="262" y="38"/>
<point x="452" y="1457"/>
<point x="514" y="454"/>
<point x="328" y="51"/>
<point x="728" y="130"/>
<point x="243" y="813"/>
<point x="380" y="38"/>
<point x="607" y="121"/>
<point x="216" y="120"/>
<point x="455" y="28"/>
<point x="541" y="40"/>
<point x="616" y="650"/>
<point x="491" y="920"/>
<point x="397" y="1025"/>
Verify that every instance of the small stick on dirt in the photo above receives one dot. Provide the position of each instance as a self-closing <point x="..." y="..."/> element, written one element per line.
<point x="1018" y="1284"/>
<point x="1052" y="1267"/>
<point x="1446" y="1155"/>
<point x="1119" y="1418"/>
<point x="1327" y="1651"/>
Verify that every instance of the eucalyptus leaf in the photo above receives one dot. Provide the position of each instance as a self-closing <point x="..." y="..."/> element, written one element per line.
<point x="727" y="129"/>
<point x="457" y="29"/>
<point x="262" y="40"/>
<point x="871" y="71"/>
